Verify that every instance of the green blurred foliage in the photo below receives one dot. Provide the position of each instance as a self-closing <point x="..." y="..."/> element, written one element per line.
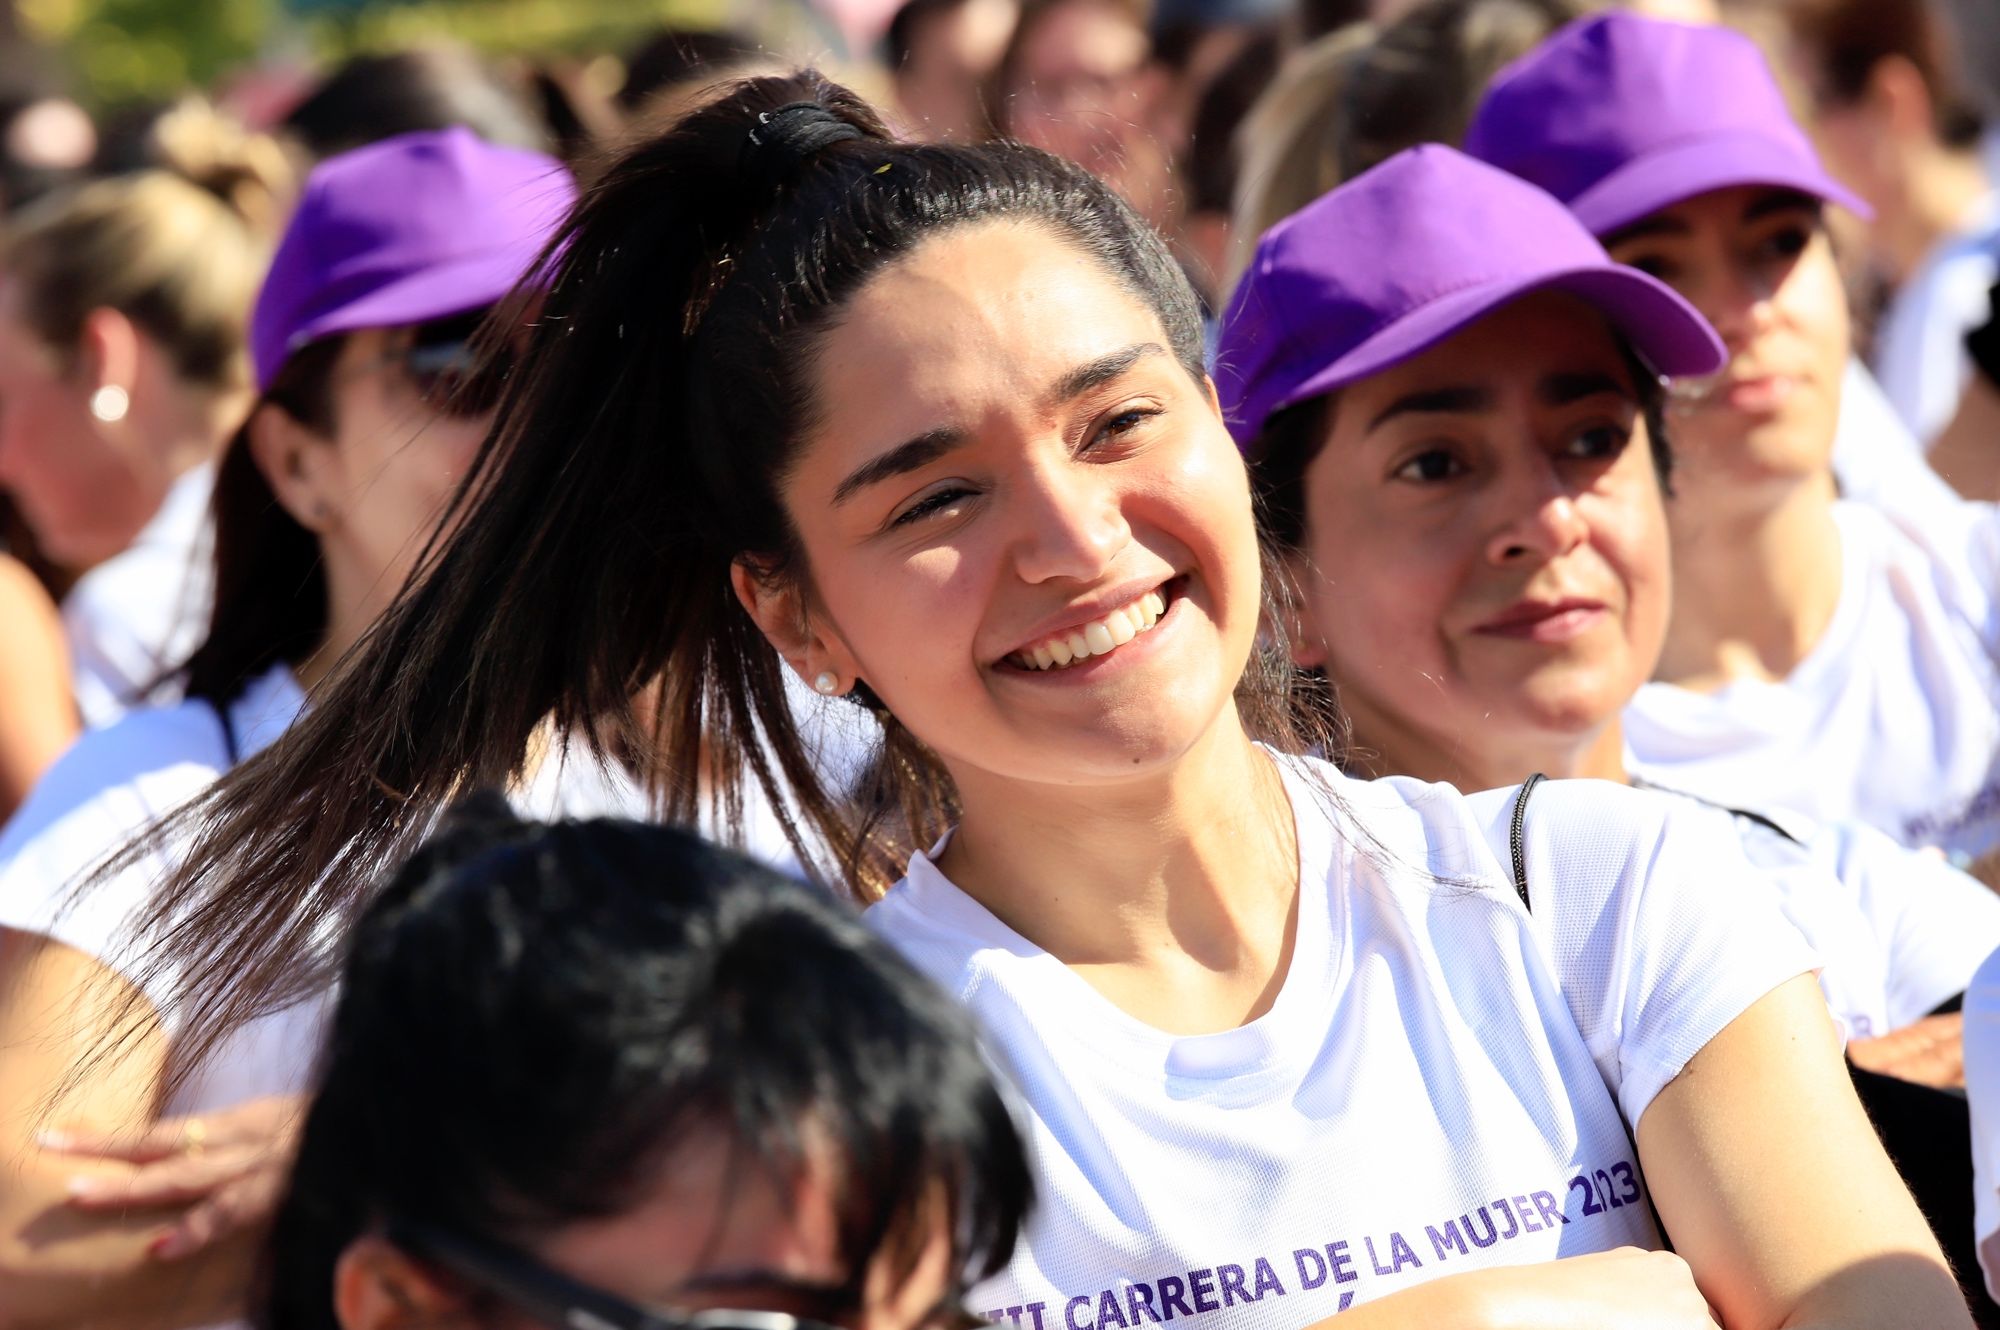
<point x="127" y="50"/>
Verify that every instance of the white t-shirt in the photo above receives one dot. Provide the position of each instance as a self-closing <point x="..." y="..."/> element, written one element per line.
<point x="1436" y="1088"/>
<point x="144" y="611"/>
<point x="1893" y="718"/>
<point x="1920" y="353"/>
<point x="1878" y="461"/>
<point x="1982" y="1093"/>
<point x="1900" y="931"/>
<point x="111" y="784"/>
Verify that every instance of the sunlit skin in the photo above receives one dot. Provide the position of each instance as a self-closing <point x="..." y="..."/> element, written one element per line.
<point x="373" y="491"/>
<point x="1038" y="458"/>
<point x="88" y="487"/>
<point x="1485" y="574"/>
<point x="715" y="1229"/>
<point x="1117" y="818"/>
<point x="1757" y="554"/>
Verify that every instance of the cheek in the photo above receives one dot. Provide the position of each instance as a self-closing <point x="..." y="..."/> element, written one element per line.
<point x="1379" y="591"/>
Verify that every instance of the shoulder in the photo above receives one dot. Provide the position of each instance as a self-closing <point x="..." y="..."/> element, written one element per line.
<point x="114" y="780"/>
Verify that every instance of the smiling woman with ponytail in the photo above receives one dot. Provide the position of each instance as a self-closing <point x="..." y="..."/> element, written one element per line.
<point x="928" y="426"/>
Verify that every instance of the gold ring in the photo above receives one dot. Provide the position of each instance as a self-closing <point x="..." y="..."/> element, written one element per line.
<point x="194" y="1136"/>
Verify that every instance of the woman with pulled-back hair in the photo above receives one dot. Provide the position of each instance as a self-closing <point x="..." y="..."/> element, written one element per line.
<point x="928" y="426"/>
<point x="124" y="367"/>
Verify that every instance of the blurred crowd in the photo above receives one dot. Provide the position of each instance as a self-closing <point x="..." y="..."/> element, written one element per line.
<point x="460" y="665"/>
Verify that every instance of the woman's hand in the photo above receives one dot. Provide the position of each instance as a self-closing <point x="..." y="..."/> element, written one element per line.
<point x="225" y="1170"/>
<point x="1929" y="1052"/>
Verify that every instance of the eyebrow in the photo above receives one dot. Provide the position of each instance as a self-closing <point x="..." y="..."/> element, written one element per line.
<point x="932" y="444"/>
<point x="902" y="459"/>
<point x="1436" y="401"/>
<point x="1096" y="373"/>
<point x="1662" y="224"/>
<point x="1778" y="201"/>
<point x="1467" y="399"/>
<point x="1563" y="389"/>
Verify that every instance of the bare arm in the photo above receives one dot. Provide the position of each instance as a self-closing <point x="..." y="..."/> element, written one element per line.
<point x="61" y="1266"/>
<point x="37" y="714"/>
<point x="1773" y="1185"/>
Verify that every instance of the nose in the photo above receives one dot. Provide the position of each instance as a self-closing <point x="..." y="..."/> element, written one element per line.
<point x="1071" y="524"/>
<point x="1540" y="519"/>
<point x="1738" y="301"/>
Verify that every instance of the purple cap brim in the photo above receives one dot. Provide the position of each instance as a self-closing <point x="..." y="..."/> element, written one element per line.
<point x="1669" y="175"/>
<point x="1664" y="329"/>
<point x="429" y="293"/>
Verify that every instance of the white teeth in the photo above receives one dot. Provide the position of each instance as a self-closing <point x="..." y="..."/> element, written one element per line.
<point x="1109" y="633"/>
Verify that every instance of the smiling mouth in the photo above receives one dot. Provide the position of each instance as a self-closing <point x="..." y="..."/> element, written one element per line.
<point x="1099" y="637"/>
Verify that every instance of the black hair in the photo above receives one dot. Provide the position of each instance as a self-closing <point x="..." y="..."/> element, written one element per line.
<point x="531" y="1018"/>
<point x="1211" y="161"/>
<point x="673" y="56"/>
<point x="378" y="96"/>
<point x="270" y="602"/>
<point x="585" y="577"/>
<point x="1293" y="436"/>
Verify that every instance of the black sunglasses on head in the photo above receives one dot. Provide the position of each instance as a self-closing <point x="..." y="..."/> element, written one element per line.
<point x="558" y="1301"/>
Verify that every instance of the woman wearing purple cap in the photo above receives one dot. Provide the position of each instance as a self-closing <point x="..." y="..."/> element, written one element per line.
<point x="1483" y="576"/>
<point x="142" y="1200"/>
<point x="1822" y="655"/>
<point x="929" y="427"/>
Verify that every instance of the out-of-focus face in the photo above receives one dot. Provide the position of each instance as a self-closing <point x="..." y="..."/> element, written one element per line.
<point x="1027" y="529"/>
<point x="394" y="460"/>
<point x="1486" y="568"/>
<point x="1758" y="265"/>
<point x="85" y="488"/>
<point x="951" y="56"/>
<point x="1081" y="87"/>
<point x="713" y="1232"/>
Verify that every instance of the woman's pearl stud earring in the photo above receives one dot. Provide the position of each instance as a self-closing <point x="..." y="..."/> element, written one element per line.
<point x="826" y="683"/>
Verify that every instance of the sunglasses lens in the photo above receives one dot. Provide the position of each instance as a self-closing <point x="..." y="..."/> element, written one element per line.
<point x="455" y="381"/>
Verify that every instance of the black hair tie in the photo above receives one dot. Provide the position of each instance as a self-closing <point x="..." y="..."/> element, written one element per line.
<point x="781" y="141"/>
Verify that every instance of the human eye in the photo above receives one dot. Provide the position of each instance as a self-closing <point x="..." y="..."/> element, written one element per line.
<point x="1597" y="442"/>
<point x="1657" y="266"/>
<point x="1429" y="467"/>
<point x="1784" y="245"/>
<point x="932" y="504"/>
<point x="1121" y="424"/>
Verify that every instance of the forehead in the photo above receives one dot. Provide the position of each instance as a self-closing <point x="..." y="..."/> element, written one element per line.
<point x="1517" y="346"/>
<point x="980" y="319"/>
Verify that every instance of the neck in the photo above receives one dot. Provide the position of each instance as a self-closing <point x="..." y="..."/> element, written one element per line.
<point x="354" y="600"/>
<point x="1943" y="190"/>
<point x="1385" y="745"/>
<point x="1173" y="894"/>
<point x="1753" y="593"/>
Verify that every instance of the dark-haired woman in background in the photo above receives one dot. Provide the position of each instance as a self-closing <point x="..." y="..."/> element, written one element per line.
<point x="629" y="1071"/>
<point x="323" y="502"/>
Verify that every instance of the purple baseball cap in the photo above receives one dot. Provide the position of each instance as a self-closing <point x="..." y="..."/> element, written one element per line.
<point x="1620" y="116"/>
<point x="1400" y="258"/>
<point x="418" y="227"/>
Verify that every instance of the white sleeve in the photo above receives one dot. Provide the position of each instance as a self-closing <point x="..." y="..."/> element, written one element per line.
<point x="1936" y="924"/>
<point x="110" y="785"/>
<point x="1982" y="1092"/>
<point x="1661" y="931"/>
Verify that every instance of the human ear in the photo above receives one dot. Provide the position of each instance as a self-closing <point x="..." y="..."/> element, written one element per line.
<point x="1304" y="638"/>
<point x="778" y="609"/>
<point x="295" y="461"/>
<point x="108" y="352"/>
<point x="377" y="1287"/>
<point x="1899" y="95"/>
